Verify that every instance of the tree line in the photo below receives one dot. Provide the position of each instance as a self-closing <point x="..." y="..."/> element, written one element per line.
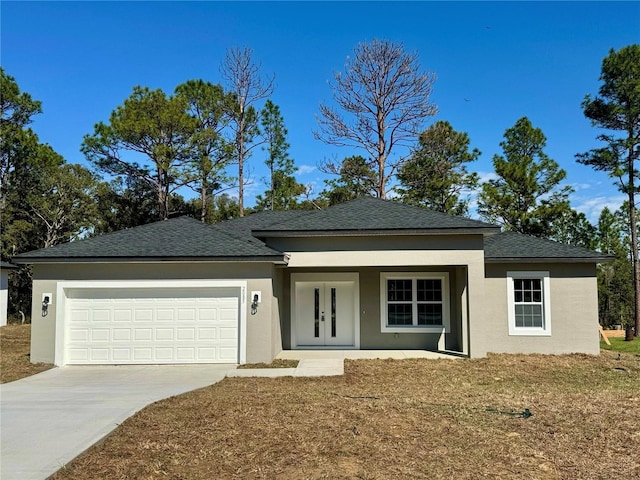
<point x="201" y="136"/>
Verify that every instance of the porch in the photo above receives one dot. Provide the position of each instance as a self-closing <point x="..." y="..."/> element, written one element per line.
<point x="365" y="354"/>
<point x="324" y="363"/>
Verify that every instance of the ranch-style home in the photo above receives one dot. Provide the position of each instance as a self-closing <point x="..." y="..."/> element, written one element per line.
<point x="366" y="274"/>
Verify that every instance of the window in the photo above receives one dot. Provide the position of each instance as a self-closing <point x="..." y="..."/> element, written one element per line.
<point x="529" y="303"/>
<point x="414" y="302"/>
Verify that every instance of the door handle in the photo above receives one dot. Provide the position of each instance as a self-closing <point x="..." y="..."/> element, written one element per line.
<point x="322" y="317"/>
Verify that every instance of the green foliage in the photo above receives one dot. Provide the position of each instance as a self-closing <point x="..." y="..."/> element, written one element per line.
<point x="615" y="278"/>
<point x="149" y="125"/>
<point x="527" y="196"/>
<point x="211" y="153"/>
<point x="356" y="179"/>
<point x="125" y="203"/>
<point x="617" y="111"/>
<point x="284" y="189"/>
<point x="436" y="175"/>
<point x="44" y="201"/>
<point x="574" y="228"/>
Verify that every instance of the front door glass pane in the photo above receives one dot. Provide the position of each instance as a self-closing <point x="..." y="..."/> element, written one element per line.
<point x="316" y="312"/>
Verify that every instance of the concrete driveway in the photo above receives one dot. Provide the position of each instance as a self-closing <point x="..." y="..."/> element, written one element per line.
<point x="50" y="418"/>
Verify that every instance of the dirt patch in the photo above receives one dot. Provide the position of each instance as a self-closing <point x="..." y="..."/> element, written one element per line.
<point x="277" y="363"/>
<point x="14" y="354"/>
<point x="429" y="419"/>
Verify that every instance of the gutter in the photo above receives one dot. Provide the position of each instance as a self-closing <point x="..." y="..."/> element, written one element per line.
<point x="277" y="259"/>
<point x="600" y="259"/>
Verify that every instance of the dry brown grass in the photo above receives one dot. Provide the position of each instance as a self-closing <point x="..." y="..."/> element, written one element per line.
<point x="276" y="363"/>
<point x="14" y="354"/>
<point x="392" y="419"/>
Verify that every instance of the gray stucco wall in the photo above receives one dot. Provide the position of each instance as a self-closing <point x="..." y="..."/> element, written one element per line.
<point x="263" y="341"/>
<point x="574" y="311"/>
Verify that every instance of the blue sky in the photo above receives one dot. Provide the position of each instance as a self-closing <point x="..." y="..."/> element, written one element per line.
<point x="495" y="62"/>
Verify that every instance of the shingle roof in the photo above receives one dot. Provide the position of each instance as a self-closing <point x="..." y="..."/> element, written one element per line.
<point x="260" y="220"/>
<point x="185" y="238"/>
<point x="178" y="238"/>
<point x="370" y="215"/>
<point x="516" y="247"/>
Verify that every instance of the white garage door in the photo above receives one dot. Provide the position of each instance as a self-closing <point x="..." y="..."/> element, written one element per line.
<point x="152" y="326"/>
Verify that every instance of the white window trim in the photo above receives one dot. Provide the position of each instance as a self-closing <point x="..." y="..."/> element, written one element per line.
<point x="446" y="314"/>
<point x="546" y="302"/>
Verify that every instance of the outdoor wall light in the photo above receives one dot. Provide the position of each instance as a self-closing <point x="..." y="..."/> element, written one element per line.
<point x="255" y="300"/>
<point x="46" y="300"/>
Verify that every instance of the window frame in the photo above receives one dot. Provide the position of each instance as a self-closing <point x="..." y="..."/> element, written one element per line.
<point x="415" y="328"/>
<point x="545" y="282"/>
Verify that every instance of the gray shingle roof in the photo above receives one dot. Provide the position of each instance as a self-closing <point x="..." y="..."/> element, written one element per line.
<point x="178" y="238"/>
<point x="366" y="215"/>
<point x="260" y="220"/>
<point x="515" y="247"/>
<point x="185" y="238"/>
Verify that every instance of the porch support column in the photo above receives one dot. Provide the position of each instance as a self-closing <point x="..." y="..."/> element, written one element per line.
<point x="477" y="333"/>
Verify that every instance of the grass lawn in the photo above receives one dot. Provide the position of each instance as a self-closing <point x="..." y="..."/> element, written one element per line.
<point x="619" y="345"/>
<point x="425" y="419"/>
<point x="14" y="354"/>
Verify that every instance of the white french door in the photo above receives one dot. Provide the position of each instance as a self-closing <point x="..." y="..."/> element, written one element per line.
<point x="324" y="313"/>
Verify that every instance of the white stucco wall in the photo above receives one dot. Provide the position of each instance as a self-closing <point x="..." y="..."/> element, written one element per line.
<point x="4" y="296"/>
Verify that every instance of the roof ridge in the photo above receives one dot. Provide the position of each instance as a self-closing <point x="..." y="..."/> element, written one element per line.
<point x="234" y="236"/>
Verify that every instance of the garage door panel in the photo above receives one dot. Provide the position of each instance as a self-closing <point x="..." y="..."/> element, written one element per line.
<point x="207" y="315"/>
<point x="99" y="354"/>
<point x="164" y="334"/>
<point x="79" y="315"/>
<point x="142" y="334"/>
<point x="143" y="354"/>
<point x="100" y="334"/>
<point x="207" y="333"/>
<point x="101" y="315"/>
<point x="186" y="334"/>
<point x="143" y="315"/>
<point x="79" y="334"/>
<point x="164" y="315"/>
<point x="186" y="315"/>
<point x="118" y="326"/>
<point x="121" y="354"/>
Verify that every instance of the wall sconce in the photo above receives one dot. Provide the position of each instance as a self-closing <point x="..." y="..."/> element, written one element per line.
<point x="46" y="301"/>
<point x="255" y="300"/>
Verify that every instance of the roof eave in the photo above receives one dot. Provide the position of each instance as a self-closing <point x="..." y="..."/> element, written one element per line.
<point x="602" y="259"/>
<point x="277" y="259"/>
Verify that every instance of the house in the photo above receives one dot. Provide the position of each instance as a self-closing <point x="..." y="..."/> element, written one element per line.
<point x="366" y="274"/>
<point x="5" y="267"/>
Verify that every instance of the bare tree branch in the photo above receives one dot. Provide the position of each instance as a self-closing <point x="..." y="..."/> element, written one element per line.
<point x="388" y="98"/>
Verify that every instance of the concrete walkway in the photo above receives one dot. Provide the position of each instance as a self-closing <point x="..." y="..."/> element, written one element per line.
<point x="50" y="418"/>
<point x="316" y="363"/>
